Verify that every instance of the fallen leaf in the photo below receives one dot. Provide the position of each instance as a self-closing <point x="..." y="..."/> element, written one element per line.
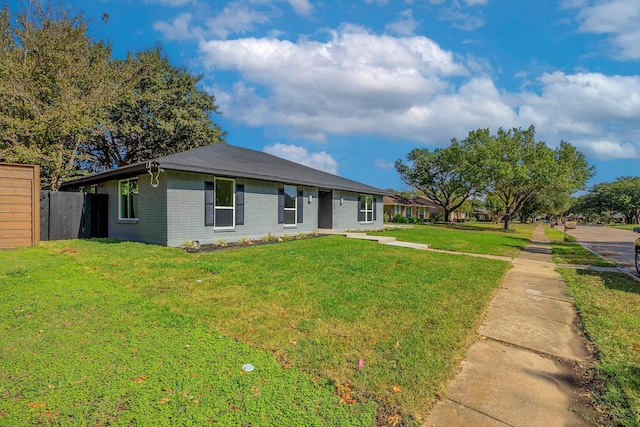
<point x="396" y="388"/>
<point x="397" y="344"/>
<point x="36" y="405"/>
<point x="287" y="365"/>
<point x="165" y="400"/>
<point x="135" y="350"/>
<point x="140" y="379"/>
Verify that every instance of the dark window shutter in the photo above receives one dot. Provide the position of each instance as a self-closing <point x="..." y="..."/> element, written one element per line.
<point x="209" y="201"/>
<point x="239" y="204"/>
<point x="280" y="205"/>
<point x="374" y="208"/>
<point x="360" y="213"/>
<point x="300" y="206"/>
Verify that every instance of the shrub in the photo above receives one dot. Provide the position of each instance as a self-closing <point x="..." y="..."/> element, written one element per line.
<point x="269" y="237"/>
<point x="400" y="219"/>
<point x="220" y="242"/>
<point x="190" y="244"/>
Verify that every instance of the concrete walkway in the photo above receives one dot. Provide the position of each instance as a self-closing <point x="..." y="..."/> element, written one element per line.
<point x="523" y="369"/>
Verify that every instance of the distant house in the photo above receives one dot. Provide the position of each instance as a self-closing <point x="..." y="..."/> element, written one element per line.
<point x="395" y="205"/>
<point x="226" y="192"/>
<point x="482" y="214"/>
<point x="437" y="210"/>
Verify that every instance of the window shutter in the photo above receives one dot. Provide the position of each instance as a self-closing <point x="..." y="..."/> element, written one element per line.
<point x="360" y="213"/>
<point x="300" y="206"/>
<point x="209" y="201"/>
<point x="374" y="208"/>
<point x="281" y="205"/>
<point x="239" y="204"/>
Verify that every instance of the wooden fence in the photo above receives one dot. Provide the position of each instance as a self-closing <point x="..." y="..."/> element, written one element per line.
<point x="72" y="215"/>
<point x="19" y="205"/>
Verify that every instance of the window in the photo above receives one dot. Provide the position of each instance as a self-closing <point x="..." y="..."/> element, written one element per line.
<point x="290" y="204"/>
<point x="421" y="212"/>
<point x="365" y="212"/>
<point x="128" y="201"/>
<point x="219" y="203"/>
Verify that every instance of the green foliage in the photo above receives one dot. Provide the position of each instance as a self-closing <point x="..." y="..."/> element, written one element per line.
<point x="67" y="105"/>
<point x="55" y="85"/>
<point x="518" y="168"/>
<point x="165" y="113"/>
<point x="445" y="175"/>
<point x="609" y="307"/>
<point x="619" y="196"/>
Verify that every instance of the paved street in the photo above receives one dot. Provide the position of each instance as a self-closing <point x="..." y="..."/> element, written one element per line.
<point x="615" y="244"/>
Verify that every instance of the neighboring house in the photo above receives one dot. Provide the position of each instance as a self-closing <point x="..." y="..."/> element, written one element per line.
<point x="482" y="214"/>
<point x="437" y="210"/>
<point x="226" y="192"/>
<point x="395" y="205"/>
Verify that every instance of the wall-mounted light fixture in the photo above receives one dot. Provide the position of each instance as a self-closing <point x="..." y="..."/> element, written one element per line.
<point x="341" y="200"/>
<point x="310" y="198"/>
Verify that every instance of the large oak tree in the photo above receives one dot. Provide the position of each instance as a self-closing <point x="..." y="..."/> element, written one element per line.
<point x="517" y="168"/>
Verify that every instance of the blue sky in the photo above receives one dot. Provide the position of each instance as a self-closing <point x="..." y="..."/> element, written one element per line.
<point x="351" y="86"/>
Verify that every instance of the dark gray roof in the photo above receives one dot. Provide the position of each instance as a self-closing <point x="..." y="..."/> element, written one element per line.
<point x="232" y="161"/>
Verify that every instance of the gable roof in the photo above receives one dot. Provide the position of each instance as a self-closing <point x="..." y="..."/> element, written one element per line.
<point x="237" y="162"/>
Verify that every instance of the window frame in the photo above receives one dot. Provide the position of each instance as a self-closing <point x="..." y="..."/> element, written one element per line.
<point x="129" y="200"/>
<point x="365" y="212"/>
<point x="217" y="208"/>
<point x="293" y="209"/>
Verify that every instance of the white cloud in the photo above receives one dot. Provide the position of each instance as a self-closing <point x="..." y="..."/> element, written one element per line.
<point x="321" y="161"/>
<point x="408" y="88"/>
<point x="301" y="7"/>
<point x="179" y="28"/>
<point x="383" y="164"/>
<point x="355" y="82"/>
<point x="617" y="18"/>
<point x="584" y="108"/>
<point x="405" y="25"/>
<point x="235" y="18"/>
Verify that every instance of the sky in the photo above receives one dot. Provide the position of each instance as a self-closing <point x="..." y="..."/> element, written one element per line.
<point x="349" y="87"/>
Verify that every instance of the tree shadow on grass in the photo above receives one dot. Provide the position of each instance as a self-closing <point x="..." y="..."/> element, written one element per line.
<point x="614" y="281"/>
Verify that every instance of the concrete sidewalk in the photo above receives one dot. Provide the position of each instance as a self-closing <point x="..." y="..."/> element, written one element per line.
<point x="523" y="369"/>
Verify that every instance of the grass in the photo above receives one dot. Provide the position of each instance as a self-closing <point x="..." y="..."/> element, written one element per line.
<point x="481" y="238"/>
<point x="625" y="226"/>
<point x="303" y="312"/>
<point x="78" y="348"/>
<point x="609" y="308"/>
<point x="566" y="250"/>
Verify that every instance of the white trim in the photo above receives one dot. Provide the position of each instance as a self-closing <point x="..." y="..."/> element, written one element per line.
<point x="293" y="209"/>
<point x="232" y="207"/>
<point x="120" y="218"/>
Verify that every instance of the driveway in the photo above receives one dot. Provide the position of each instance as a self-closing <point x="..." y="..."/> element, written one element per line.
<point x="615" y="244"/>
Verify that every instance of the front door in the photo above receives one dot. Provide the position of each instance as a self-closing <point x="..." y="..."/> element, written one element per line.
<point x="325" y="209"/>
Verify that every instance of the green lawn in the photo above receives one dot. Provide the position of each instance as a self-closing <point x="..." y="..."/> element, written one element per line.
<point x="609" y="308"/>
<point x="567" y="251"/>
<point x="99" y="332"/>
<point x="481" y="238"/>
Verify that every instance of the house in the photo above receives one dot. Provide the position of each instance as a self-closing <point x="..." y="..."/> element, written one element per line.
<point x="227" y="193"/>
<point x="395" y="205"/>
<point x="437" y="210"/>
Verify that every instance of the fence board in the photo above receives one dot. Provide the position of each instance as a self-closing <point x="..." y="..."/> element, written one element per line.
<point x="15" y="242"/>
<point x="72" y="215"/>
<point x="15" y="225"/>
<point x="13" y="182"/>
<point x="11" y="217"/>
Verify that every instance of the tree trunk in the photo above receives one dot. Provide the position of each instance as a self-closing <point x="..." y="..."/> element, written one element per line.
<point x="507" y="220"/>
<point x="447" y="215"/>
